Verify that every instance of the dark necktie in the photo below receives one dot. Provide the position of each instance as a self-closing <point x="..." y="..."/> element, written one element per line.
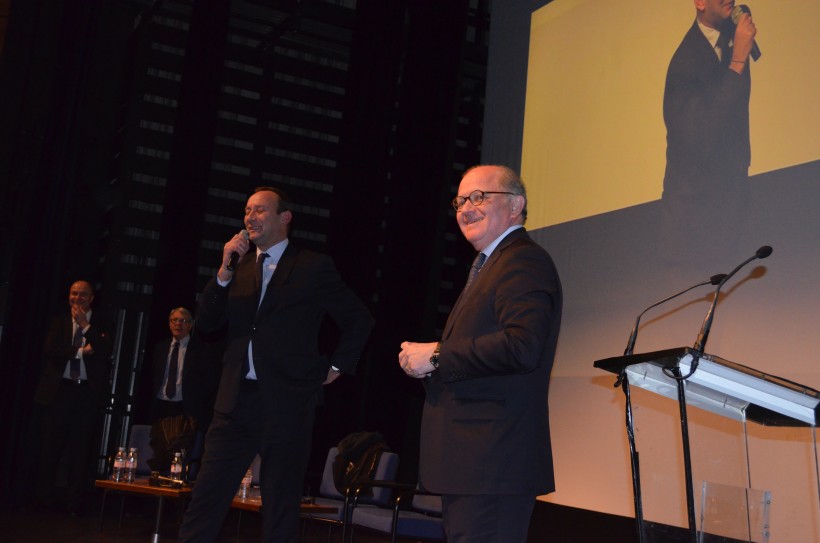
<point x="77" y="342"/>
<point x="725" y="50"/>
<point x="259" y="278"/>
<point x="173" y="370"/>
<point x="475" y="268"/>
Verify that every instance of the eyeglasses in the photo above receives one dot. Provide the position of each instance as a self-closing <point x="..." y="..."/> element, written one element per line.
<point x="476" y="198"/>
<point x="179" y="321"/>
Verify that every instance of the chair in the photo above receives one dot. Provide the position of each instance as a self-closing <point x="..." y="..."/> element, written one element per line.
<point x="330" y="496"/>
<point x="421" y="519"/>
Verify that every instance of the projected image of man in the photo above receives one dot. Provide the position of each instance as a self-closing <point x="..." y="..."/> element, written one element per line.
<point x="706" y="103"/>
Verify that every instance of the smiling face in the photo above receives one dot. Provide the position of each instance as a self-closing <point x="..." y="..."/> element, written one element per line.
<point x="265" y="224"/>
<point x="484" y="223"/>
<point x="714" y="13"/>
<point x="81" y="294"/>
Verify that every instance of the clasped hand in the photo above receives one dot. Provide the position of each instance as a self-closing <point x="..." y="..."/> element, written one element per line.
<point x="414" y="359"/>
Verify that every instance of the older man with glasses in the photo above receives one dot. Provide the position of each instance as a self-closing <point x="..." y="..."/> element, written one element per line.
<point x="485" y="442"/>
<point x="185" y="373"/>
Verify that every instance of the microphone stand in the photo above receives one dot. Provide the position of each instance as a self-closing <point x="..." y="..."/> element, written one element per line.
<point x="623" y="382"/>
<point x="675" y="373"/>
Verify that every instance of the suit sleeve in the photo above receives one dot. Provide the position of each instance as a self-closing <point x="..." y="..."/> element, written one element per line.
<point x="212" y="310"/>
<point x="58" y="347"/>
<point x="512" y="323"/>
<point x="348" y="312"/>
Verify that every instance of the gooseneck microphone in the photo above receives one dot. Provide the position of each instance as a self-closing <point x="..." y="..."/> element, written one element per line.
<point x="700" y="343"/>
<point x="737" y="11"/>
<point x="234" y="255"/>
<point x="630" y="346"/>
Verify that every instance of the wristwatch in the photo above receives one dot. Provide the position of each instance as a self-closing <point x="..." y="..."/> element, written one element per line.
<point x="436" y="354"/>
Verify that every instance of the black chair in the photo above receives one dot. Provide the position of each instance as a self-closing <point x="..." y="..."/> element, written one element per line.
<point x="329" y="495"/>
<point x="415" y="514"/>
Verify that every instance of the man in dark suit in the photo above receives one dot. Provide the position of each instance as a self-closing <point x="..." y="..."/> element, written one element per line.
<point x="706" y="103"/>
<point x="485" y="442"/>
<point x="71" y="391"/>
<point x="273" y="303"/>
<point x="185" y="376"/>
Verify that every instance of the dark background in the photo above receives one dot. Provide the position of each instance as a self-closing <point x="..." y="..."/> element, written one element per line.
<point x="123" y="163"/>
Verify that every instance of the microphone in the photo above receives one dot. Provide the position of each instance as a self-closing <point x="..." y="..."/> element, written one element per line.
<point x="234" y="255"/>
<point x="737" y="11"/>
<point x="630" y="346"/>
<point x="761" y="253"/>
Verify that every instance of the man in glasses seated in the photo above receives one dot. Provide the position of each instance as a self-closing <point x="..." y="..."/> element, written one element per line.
<point x="185" y="374"/>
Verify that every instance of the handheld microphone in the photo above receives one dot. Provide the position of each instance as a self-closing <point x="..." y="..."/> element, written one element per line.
<point x="761" y="253"/>
<point x="234" y="255"/>
<point x="630" y="346"/>
<point x="737" y="11"/>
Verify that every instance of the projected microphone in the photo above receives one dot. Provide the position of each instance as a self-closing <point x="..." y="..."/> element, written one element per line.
<point x="736" y="13"/>
<point x="763" y="252"/>
<point x="234" y="255"/>
<point x="630" y="346"/>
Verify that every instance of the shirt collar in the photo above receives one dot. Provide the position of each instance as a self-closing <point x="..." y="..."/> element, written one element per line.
<point x="491" y="247"/>
<point x="711" y="34"/>
<point x="275" y="252"/>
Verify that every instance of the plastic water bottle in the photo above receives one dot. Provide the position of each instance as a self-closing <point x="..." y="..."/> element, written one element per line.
<point x="245" y="486"/>
<point x="131" y="465"/>
<point x="118" y="473"/>
<point x="176" y="467"/>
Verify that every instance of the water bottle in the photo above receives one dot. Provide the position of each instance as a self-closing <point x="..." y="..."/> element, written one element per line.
<point x="118" y="473"/>
<point x="131" y="465"/>
<point x="245" y="486"/>
<point x="176" y="467"/>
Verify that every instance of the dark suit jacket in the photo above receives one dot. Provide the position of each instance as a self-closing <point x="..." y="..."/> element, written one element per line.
<point x="58" y="350"/>
<point x="304" y="289"/>
<point x="706" y="111"/>
<point x="485" y="428"/>
<point x="200" y="376"/>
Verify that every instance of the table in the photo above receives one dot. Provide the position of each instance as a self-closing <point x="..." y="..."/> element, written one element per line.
<point x="141" y="486"/>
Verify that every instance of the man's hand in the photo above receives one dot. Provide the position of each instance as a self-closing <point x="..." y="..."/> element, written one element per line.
<point x="332" y="375"/>
<point x="237" y="244"/>
<point x="414" y="358"/>
<point x="744" y="39"/>
<point x="80" y="315"/>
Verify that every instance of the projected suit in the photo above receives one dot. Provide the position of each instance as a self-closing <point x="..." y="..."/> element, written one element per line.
<point x="485" y="441"/>
<point x="706" y="111"/>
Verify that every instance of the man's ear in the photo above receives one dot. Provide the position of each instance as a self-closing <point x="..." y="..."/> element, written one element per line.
<point x="517" y="204"/>
<point x="286" y="217"/>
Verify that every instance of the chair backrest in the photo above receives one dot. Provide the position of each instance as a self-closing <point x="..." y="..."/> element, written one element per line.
<point x="256" y="466"/>
<point x="385" y="471"/>
<point x="141" y="439"/>
<point x="327" y="489"/>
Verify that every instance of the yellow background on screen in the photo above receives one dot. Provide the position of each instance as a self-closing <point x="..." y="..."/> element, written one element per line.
<point x="594" y="138"/>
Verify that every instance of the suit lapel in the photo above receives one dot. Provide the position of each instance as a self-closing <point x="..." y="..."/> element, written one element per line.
<point x="283" y="270"/>
<point x="482" y="276"/>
